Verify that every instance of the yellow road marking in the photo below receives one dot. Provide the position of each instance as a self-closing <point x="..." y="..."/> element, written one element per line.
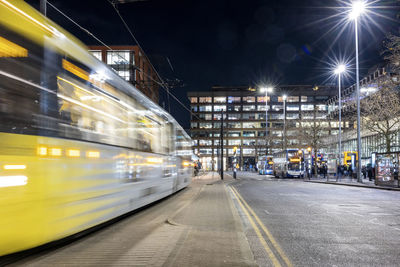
<point x="266" y="231"/>
<point x="259" y="235"/>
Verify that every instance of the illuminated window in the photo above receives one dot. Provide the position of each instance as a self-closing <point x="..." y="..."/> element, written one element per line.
<point x="124" y="74"/>
<point x="233" y="99"/>
<point x="249" y="99"/>
<point x="292" y="116"/>
<point x="277" y="107"/>
<point x="233" y="116"/>
<point x="205" y="108"/>
<point x="261" y="99"/>
<point x="193" y="100"/>
<point x="205" y="142"/>
<point x="220" y="99"/>
<point x="219" y="108"/>
<point x="249" y="134"/>
<point x="249" y="108"/>
<point x="307" y="107"/>
<point x="205" y="125"/>
<point x="96" y="54"/>
<point x="293" y="99"/>
<point x="292" y="107"/>
<point x="248" y="151"/>
<point x="234" y="134"/>
<point x="249" y="142"/>
<point x="118" y="57"/>
<point x="205" y="99"/>
<point x="235" y="142"/>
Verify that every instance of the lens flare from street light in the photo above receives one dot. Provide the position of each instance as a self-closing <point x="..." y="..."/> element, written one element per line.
<point x="340" y="69"/>
<point x="266" y="89"/>
<point x="284" y="97"/>
<point x="357" y="8"/>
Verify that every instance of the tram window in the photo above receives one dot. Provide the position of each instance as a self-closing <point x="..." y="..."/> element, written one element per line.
<point x="19" y="101"/>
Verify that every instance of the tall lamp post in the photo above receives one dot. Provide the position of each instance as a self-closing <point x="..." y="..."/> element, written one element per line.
<point x="284" y="122"/>
<point x="338" y="71"/>
<point x="266" y="90"/>
<point x="358" y="7"/>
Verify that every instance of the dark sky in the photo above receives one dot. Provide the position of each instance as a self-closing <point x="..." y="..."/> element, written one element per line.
<point x="229" y="42"/>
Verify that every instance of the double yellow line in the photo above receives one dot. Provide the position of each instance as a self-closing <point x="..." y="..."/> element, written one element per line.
<point x="246" y="209"/>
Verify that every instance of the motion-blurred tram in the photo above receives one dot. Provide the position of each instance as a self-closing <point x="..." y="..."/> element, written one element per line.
<point x="78" y="144"/>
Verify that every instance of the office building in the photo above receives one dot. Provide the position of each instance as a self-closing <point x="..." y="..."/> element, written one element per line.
<point x="244" y="111"/>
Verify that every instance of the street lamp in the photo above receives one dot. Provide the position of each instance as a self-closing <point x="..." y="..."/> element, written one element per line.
<point x="284" y="122"/>
<point x="266" y="90"/>
<point x="357" y="9"/>
<point x="338" y="71"/>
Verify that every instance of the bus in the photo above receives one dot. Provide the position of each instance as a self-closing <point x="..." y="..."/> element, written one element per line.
<point x="289" y="163"/>
<point x="350" y="158"/>
<point x="265" y="165"/>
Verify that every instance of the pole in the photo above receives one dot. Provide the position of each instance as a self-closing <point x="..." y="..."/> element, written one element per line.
<point x="284" y="124"/>
<point x="43" y="7"/>
<point x="266" y="122"/>
<point x="340" y="129"/>
<point x="222" y="144"/>
<point x="358" y="106"/>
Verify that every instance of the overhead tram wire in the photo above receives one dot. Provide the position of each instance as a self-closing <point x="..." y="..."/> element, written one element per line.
<point x="163" y="84"/>
<point x="109" y="48"/>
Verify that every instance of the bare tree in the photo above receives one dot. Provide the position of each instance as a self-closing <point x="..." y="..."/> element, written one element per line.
<point x="381" y="110"/>
<point x="311" y="132"/>
<point x="391" y="52"/>
<point x="381" y="113"/>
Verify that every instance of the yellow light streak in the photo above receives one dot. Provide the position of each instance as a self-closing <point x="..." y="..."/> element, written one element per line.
<point x="16" y="180"/>
<point x="10" y="49"/>
<point x="14" y="167"/>
<point x="55" y="151"/>
<point x="93" y="154"/>
<point x="75" y="70"/>
<point x="154" y="160"/>
<point x="22" y="13"/>
<point x="42" y="151"/>
<point x="73" y="153"/>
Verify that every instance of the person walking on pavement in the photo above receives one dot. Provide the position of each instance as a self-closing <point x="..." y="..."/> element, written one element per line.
<point x="369" y="170"/>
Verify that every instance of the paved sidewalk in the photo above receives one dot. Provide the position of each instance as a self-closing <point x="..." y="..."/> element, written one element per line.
<point x="350" y="182"/>
<point x="213" y="234"/>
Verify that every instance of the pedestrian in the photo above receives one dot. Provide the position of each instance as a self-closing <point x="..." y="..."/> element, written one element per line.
<point x="364" y="172"/>
<point x="369" y="170"/>
<point x="324" y="170"/>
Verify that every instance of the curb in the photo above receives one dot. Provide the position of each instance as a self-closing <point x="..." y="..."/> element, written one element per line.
<point x="355" y="185"/>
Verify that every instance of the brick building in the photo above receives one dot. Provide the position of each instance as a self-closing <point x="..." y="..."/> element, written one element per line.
<point x="132" y="65"/>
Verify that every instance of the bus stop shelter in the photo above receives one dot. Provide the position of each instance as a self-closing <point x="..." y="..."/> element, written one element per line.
<point x="386" y="168"/>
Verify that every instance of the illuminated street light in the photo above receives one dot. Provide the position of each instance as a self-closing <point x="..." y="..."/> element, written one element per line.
<point x="266" y="90"/>
<point x="357" y="9"/>
<point x="338" y="71"/>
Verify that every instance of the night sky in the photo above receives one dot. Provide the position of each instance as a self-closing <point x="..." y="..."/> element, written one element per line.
<point x="229" y="42"/>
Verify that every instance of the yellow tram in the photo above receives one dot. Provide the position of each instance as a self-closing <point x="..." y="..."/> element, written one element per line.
<point x="78" y="145"/>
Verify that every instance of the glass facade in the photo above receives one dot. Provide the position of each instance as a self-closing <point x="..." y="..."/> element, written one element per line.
<point x="244" y="122"/>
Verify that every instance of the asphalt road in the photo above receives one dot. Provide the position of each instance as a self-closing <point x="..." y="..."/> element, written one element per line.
<point x="320" y="224"/>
